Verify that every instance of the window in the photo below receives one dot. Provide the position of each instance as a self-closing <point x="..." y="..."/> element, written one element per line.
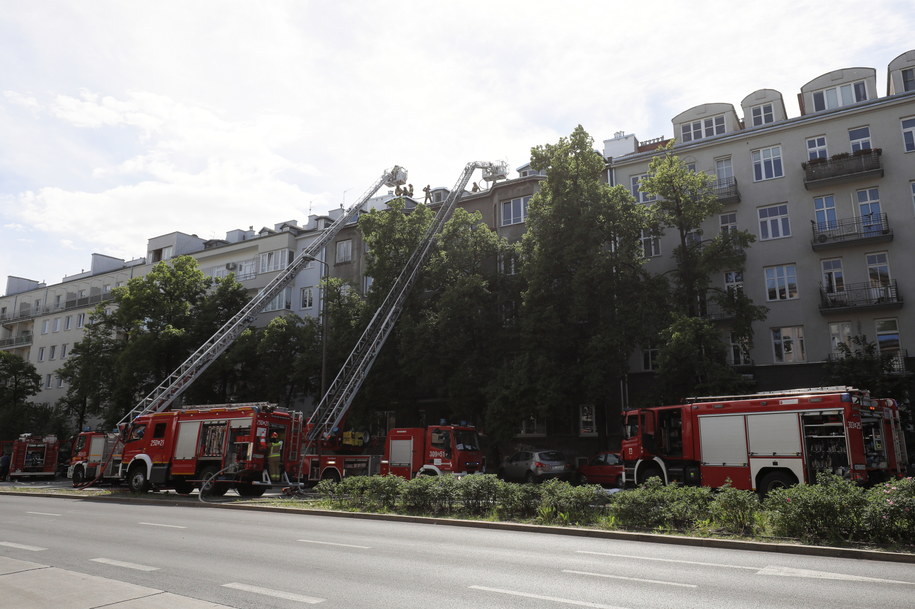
<point x="640" y="197"/>
<point x="788" y="345"/>
<point x="530" y="426"/>
<point x="282" y="301"/>
<point x="63" y="351"/>
<point x="762" y="114"/>
<point x="68" y="322"/>
<point x="908" y="79"/>
<point x="515" y="210"/>
<point x="46" y="326"/>
<point x="650" y="358"/>
<point x="724" y="172"/>
<point x="869" y="208"/>
<point x="860" y="138"/>
<point x="57" y="324"/>
<point x="81" y="294"/>
<point x="887" y="335"/>
<point x="912" y="185"/>
<point x="586" y="423"/>
<point x="344" y="251"/>
<point x="839" y="334"/>
<point x="908" y="134"/>
<point x="767" y="163"/>
<point x="40" y="354"/>
<point x="57" y="301"/>
<point x="308" y="299"/>
<point x="878" y="270"/>
<point x="733" y="282"/>
<point x="833" y="276"/>
<point x="275" y="261"/>
<point x="816" y="148"/>
<point x="106" y="288"/>
<point x="508" y="264"/>
<point x="52" y="352"/>
<point x="60" y="381"/>
<point x="728" y="222"/>
<point x="843" y="95"/>
<point x="47" y="381"/>
<point x="781" y="282"/>
<point x="651" y="244"/>
<point x="773" y="222"/>
<point x="697" y="130"/>
<point x="824" y="208"/>
<point x="80" y="320"/>
<point x="739" y="351"/>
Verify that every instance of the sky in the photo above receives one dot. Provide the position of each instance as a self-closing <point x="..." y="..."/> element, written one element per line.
<point x="123" y="121"/>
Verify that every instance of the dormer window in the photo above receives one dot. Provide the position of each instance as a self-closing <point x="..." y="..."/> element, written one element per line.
<point x="836" y="97"/>
<point x="908" y="79"/>
<point x="762" y="114"/>
<point x="697" y="130"/>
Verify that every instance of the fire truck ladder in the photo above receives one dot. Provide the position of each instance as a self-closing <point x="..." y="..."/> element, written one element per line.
<point x="162" y="397"/>
<point x="339" y="396"/>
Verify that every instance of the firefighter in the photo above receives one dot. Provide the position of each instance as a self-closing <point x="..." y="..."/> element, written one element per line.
<point x="275" y="456"/>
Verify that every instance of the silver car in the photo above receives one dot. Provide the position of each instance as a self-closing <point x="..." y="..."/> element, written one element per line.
<point x="536" y="466"/>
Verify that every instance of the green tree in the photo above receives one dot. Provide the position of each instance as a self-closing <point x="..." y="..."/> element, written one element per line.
<point x="89" y="372"/>
<point x="289" y="359"/>
<point x="861" y="364"/>
<point x="587" y="296"/>
<point x="18" y="382"/>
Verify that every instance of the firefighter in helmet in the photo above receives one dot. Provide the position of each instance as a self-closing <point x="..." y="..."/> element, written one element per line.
<point x="275" y="457"/>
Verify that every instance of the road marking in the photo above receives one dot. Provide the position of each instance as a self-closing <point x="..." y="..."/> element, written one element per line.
<point x="635" y="579"/>
<point x="791" y="572"/>
<point x="43" y="513"/>
<point x="156" y="524"/>
<point x="126" y="565"/>
<point x="331" y="543"/>
<point x="19" y="546"/>
<point x="289" y="596"/>
<point x="554" y="599"/>
<point x="685" y="562"/>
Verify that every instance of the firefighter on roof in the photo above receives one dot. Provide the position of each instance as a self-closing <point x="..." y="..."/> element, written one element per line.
<point x="274" y="457"/>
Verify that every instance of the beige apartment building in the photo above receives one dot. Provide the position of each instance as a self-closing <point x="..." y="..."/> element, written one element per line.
<point x="830" y="197"/>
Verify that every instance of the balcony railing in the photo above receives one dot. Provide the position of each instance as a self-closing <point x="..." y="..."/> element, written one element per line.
<point x="69" y="305"/>
<point x="858" y="295"/>
<point x="872" y="228"/>
<point x="895" y="360"/>
<point x="726" y="190"/>
<point x="842" y="167"/>
<point x="17" y="341"/>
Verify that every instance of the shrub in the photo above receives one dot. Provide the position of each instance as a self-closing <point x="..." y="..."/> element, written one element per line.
<point x="734" y="510"/>
<point x="328" y="490"/>
<point x="889" y="514"/>
<point x="479" y="493"/>
<point x="518" y="501"/>
<point x="831" y="510"/>
<point x="563" y="503"/>
<point x="655" y="506"/>
<point x="430" y="494"/>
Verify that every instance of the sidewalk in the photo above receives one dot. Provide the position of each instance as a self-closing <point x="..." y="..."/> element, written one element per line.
<point x="29" y="585"/>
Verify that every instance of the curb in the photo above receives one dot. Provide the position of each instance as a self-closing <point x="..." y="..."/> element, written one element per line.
<point x="707" y="542"/>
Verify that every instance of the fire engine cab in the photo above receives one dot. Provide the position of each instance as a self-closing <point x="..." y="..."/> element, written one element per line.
<point x="433" y="450"/>
<point x="766" y="440"/>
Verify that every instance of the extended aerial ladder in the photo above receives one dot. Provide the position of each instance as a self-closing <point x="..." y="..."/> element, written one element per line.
<point x="164" y="395"/>
<point x="335" y="403"/>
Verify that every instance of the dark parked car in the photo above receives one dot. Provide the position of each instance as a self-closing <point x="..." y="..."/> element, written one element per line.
<point x="604" y="468"/>
<point x="536" y="466"/>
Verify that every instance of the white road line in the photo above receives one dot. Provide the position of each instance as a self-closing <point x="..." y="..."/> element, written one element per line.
<point x="554" y="599"/>
<point x="156" y="524"/>
<point x="791" y="572"/>
<point x="43" y="513"/>
<point x="289" y="596"/>
<point x="634" y="579"/>
<point x="126" y="565"/>
<point x="19" y="546"/>
<point x="685" y="562"/>
<point x="331" y="543"/>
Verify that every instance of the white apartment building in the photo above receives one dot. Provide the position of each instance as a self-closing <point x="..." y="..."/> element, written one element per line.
<point x="830" y="197"/>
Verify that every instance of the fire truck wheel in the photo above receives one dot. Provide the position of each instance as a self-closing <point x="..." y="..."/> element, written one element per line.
<point x="79" y="476"/>
<point x="651" y="471"/>
<point x="183" y="487"/>
<point x="774" y="480"/>
<point x="330" y="474"/>
<point x="137" y="479"/>
<point x="249" y="490"/>
<point x="209" y="487"/>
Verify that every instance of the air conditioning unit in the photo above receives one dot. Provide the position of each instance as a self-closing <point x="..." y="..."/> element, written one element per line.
<point x="231" y="266"/>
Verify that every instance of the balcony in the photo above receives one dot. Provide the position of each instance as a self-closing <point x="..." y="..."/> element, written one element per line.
<point x="842" y="168"/>
<point x="894" y="362"/>
<point x="873" y="228"/>
<point x="857" y="296"/>
<point x="726" y="191"/>
<point x="17" y="341"/>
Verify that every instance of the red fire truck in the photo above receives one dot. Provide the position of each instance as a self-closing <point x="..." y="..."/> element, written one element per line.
<point x="766" y="440"/>
<point x="34" y="456"/>
<point x="214" y="448"/>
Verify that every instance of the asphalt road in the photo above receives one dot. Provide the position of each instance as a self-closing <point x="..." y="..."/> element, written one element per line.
<point x="251" y="559"/>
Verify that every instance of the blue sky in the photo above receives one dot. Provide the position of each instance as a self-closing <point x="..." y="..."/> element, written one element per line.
<point x="122" y="121"/>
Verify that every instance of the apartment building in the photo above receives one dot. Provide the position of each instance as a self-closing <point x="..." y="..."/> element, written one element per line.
<point x="830" y="197"/>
